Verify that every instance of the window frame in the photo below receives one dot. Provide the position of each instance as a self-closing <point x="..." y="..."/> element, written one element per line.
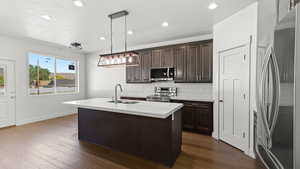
<point x="4" y="79"/>
<point x="77" y="80"/>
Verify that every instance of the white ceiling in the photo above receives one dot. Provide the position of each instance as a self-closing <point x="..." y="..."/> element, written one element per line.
<point x="21" y="18"/>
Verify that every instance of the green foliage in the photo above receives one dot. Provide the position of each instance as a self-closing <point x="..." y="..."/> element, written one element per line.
<point x="1" y="81"/>
<point x="33" y="74"/>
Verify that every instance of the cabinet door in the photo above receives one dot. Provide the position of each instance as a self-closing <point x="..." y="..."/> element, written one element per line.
<point x="193" y="52"/>
<point x="167" y="57"/>
<point x="206" y="62"/>
<point x="180" y="63"/>
<point x="156" y="58"/>
<point x="130" y="73"/>
<point x="145" y="57"/>
<point x="137" y="74"/>
<point x="188" y="119"/>
<point x="202" y="121"/>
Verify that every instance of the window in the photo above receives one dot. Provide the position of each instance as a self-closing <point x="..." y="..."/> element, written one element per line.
<point x="2" y="81"/>
<point x="49" y="75"/>
<point x="65" y="76"/>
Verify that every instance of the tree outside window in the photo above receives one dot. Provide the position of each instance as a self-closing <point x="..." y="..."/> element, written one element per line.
<point x="48" y="75"/>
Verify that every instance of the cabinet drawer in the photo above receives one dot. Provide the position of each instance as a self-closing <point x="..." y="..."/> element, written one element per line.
<point x="196" y="105"/>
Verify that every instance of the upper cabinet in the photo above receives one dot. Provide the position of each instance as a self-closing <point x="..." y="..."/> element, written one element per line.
<point x="193" y="55"/>
<point x="156" y="58"/>
<point x="167" y="59"/>
<point x="146" y="62"/>
<point x="192" y="62"/>
<point x="180" y="63"/>
<point x="194" y="65"/>
<point x="205" y="63"/>
<point x="140" y="73"/>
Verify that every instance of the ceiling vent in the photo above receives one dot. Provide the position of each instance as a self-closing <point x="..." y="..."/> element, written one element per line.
<point x="76" y="45"/>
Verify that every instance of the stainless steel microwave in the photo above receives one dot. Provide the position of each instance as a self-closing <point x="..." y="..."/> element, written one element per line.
<point x="162" y="74"/>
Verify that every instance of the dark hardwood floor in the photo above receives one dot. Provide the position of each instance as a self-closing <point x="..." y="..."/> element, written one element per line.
<point x="53" y="144"/>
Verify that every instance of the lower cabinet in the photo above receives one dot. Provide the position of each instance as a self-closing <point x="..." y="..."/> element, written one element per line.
<point x="197" y="116"/>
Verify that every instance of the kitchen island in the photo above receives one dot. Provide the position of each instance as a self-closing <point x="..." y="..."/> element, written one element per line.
<point x="150" y="130"/>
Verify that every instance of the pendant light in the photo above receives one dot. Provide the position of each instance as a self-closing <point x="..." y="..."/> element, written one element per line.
<point x="128" y="58"/>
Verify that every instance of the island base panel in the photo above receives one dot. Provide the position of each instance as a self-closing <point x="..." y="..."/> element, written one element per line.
<point x="153" y="139"/>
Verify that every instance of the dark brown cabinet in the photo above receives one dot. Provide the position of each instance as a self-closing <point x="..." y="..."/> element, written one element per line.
<point x="193" y="55"/>
<point x="167" y="59"/>
<point x="156" y="58"/>
<point x="197" y="116"/>
<point x="193" y="63"/>
<point x="146" y="62"/>
<point x="140" y="73"/>
<point x="180" y="63"/>
<point x="130" y="73"/>
<point x="205" y="63"/>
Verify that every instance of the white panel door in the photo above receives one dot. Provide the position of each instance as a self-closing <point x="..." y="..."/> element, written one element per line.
<point x="234" y="97"/>
<point x="7" y="93"/>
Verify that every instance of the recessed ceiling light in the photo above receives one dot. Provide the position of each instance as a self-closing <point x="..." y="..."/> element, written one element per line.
<point x="130" y="32"/>
<point x="46" y="17"/>
<point x="212" y="6"/>
<point x="102" y="38"/>
<point x="165" y="24"/>
<point x="78" y="3"/>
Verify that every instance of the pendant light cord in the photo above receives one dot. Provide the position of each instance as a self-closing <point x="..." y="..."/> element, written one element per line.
<point x="111" y="40"/>
<point x="125" y="31"/>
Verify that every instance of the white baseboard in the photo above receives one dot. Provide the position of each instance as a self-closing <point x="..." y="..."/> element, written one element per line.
<point x="215" y="136"/>
<point x="250" y="153"/>
<point x="42" y="118"/>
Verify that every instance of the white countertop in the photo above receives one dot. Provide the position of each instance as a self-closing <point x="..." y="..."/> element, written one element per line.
<point x="142" y="108"/>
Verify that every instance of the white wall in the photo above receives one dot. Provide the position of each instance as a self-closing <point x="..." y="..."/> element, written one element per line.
<point x="35" y="108"/>
<point x="101" y="81"/>
<point x="229" y="33"/>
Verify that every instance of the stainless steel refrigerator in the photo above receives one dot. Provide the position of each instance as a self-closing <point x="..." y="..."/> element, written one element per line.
<point x="276" y="116"/>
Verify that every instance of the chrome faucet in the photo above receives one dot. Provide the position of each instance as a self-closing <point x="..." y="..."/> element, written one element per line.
<point x="116" y="92"/>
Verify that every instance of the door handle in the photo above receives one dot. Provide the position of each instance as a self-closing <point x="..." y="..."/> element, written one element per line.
<point x="12" y="97"/>
<point x="221" y="101"/>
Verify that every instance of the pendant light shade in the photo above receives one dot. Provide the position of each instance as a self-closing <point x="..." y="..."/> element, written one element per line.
<point x="123" y="58"/>
<point x="128" y="58"/>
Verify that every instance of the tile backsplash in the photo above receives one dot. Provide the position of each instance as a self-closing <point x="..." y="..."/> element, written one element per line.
<point x="199" y="90"/>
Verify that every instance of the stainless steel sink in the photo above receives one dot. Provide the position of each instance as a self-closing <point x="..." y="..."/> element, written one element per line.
<point x="129" y="102"/>
<point x="124" y="101"/>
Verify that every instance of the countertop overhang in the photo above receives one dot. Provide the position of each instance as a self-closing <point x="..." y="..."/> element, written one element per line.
<point x="142" y="108"/>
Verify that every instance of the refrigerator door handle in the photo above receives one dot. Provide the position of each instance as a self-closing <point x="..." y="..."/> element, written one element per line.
<point x="261" y="94"/>
<point x="262" y="145"/>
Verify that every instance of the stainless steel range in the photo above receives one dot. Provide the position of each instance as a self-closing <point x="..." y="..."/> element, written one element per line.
<point x="162" y="94"/>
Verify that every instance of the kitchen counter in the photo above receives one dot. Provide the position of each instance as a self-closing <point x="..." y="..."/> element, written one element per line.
<point x="141" y="108"/>
<point x="150" y="130"/>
